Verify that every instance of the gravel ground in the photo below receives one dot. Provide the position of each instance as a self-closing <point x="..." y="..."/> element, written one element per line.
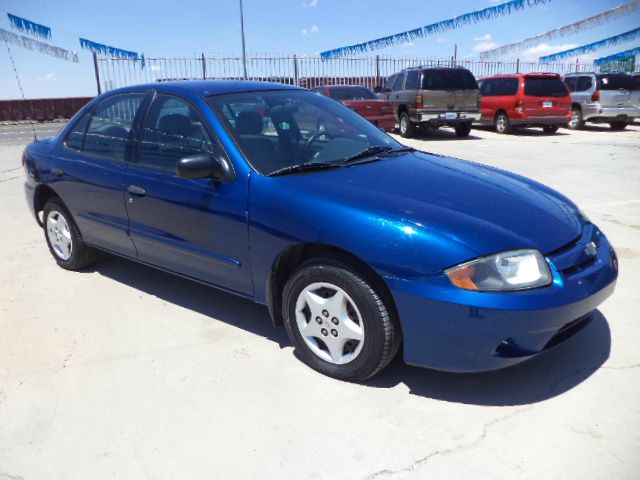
<point x="125" y="372"/>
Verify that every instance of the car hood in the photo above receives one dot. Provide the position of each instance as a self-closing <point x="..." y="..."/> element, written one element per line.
<point x="485" y="209"/>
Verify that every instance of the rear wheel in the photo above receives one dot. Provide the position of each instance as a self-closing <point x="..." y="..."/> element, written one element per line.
<point x="338" y="322"/>
<point x="463" y="129"/>
<point x="502" y="123"/>
<point x="550" y="129"/>
<point x="618" y="125"/>
<point x="576" y="122"/>
<point x="407" y="127"/>
<point x="63" y="237"/>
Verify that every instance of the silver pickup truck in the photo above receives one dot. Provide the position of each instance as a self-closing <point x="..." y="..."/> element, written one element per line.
<point x="434" y="97"/>
<point x="612" y="98"/>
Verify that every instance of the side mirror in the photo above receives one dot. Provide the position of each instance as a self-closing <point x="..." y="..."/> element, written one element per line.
<point x="205" y="165"/>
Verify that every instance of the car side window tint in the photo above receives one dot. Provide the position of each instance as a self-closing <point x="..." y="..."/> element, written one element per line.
<point x="390" y="81"/>
<point x="571" y="83"/>
<point x="413" y="80"/>
<point x="583" y="84"/>
<point x="108" y="133"/>
<point x="173" y="130"/>
<point x="76" y="134"/>
<point x="397" y="85"/>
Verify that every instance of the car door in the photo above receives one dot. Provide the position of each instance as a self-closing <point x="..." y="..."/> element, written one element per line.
<point x="488" y="99"/>
<point x="195" y="227"/>
<point x="89" y="169"/>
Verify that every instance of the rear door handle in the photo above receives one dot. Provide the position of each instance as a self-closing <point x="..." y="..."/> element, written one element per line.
<point x="136" y="190"/>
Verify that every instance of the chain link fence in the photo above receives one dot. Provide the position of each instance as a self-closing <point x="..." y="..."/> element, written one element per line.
<point x="304" y="71"/>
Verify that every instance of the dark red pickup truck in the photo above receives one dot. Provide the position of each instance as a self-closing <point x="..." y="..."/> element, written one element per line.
<point x="362" y="101"/>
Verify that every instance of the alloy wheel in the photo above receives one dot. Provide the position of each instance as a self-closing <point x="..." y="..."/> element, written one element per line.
<point x="59" y="235"/>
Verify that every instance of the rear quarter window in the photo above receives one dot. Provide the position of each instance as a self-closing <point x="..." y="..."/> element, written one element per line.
<point x="494" y="87"/>
<point x="545" y="87"/>
<point x="615" y="81"/>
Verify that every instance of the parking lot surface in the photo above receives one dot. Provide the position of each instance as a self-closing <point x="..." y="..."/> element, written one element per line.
<point x="125" y="372"/>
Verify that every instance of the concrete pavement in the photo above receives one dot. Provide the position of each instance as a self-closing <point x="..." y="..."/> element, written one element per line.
<point x="125" y="372"/>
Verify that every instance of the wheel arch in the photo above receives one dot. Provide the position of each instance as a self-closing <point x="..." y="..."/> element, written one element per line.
<point x="43" y="193"/>
<point x="576" y="105"/>
<point x="294" y="256"/>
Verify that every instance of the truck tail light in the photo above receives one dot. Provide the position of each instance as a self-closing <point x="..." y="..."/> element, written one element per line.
<point x="419" y="101"/>
<point x="519" y="105"/>
<point x="595" y="96"/>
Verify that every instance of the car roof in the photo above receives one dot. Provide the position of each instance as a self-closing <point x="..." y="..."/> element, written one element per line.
<point x="203" y="88"/>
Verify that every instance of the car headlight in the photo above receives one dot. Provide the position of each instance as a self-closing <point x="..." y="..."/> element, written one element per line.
<point x="502" y="272"/>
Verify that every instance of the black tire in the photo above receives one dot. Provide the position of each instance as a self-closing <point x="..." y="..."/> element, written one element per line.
<point x="576" y="122"/>
<point x="618" y="125"/>
<point x="502" y="123"/>
<point x="381" y="332"/>
<point x="550" y="129"/>
<point x="463" y="129"/>
<point x="406" y="126"/>
<point x="82" y="255"/>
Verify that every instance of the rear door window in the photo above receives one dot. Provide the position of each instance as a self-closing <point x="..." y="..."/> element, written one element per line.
<point x="584" y="84"/>
<point x="499" y="86"/>
<point x="545" y="87"/>
<point x="109" y="132"/>
<point x="448" y="79"/>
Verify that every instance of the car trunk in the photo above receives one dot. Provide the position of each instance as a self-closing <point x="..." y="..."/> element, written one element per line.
<point x="545" y="96"/>
<point x="617" y="90"/>
<point x="449" y="90"/>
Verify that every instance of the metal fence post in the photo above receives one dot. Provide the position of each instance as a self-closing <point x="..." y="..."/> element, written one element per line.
<point x="295" y="70"/>
<point x="378" y="71"/>
<point x="204" y="68"/>
<point x="97" y="72"/>
<point x="517" y="65"/>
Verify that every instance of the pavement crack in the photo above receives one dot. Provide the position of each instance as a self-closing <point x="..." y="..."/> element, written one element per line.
<point x="448" y="451"/>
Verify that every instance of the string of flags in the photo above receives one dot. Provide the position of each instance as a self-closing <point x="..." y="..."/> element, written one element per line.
<point x="488" y="13"/>
<point x="591" y="47"/>
<point x="42" y="31"/>
<point x="563" y="31"/>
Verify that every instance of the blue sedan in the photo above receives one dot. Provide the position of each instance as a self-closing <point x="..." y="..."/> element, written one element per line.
<point x="357" y="244"/>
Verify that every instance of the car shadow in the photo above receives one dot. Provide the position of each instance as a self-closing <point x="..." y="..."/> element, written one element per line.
<point x="524" y="131"/>
<point x="441" y="134"/>
<point x="546" y="376"/>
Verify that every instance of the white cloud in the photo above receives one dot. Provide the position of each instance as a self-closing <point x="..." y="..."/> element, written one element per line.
<point x="313" y="3"/>
<point x="441" y="39"/>
<point x="304" y="30"/>
<point x="314" y="29"/>
<point x="482" y="46"/>
<point x="49" y="77"/>
<point x="545" y="49"/>
<point x="484" y="38"/>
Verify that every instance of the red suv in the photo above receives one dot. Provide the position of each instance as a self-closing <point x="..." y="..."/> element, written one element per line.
<point x="362" y="101"/>
<point x="531" y="99"/>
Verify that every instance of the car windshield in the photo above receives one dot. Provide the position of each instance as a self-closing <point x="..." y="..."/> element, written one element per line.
<point x="545" y="87"/>
<point x="280" y="129"/>
<point x="616" y="81"/>
<point x="351" y="93"/>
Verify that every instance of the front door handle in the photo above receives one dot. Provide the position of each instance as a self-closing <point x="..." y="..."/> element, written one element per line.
<point x="136" y="190"/>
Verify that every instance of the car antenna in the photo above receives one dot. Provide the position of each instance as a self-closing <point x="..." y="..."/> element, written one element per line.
<point x="13" y="64"/>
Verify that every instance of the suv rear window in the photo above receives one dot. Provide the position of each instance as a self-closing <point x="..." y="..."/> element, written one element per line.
<point x="545" y="87"/>
<point x="448" y="79"/>
<point x="615" y="81"/>
<point x="350" y="93"/>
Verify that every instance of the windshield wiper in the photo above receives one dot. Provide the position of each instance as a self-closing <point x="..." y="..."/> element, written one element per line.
<point x="374" y="150"/>
<point x="301" y="167"/>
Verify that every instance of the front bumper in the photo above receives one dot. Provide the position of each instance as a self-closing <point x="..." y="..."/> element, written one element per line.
<point x="449" y="118"/>
<point x="450" y="329"/>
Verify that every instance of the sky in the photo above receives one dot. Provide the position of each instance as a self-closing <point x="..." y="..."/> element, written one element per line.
<point x="303" y="27"/>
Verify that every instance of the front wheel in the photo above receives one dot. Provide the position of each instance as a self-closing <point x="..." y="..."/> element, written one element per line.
<point x="550" y="129"/>
<point x="407" y="127"/>
<point x="576" y="122"/>
<point x="503" y="125"/>
<point x="618" y="125"/>
<point x="338" y="321"/>
<point x="463" y="129"/>
<point x="63" y="237"/>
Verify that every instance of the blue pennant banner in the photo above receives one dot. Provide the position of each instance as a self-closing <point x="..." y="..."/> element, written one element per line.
<point x="571" y="29"/>
<point x="107" y="50"/>
<point x="591" y="47"/>
<point x="29" y="27"/>
<point x="37" y="45"/>
<point x="488" y="13"/>
<point x="617" y="56"/>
